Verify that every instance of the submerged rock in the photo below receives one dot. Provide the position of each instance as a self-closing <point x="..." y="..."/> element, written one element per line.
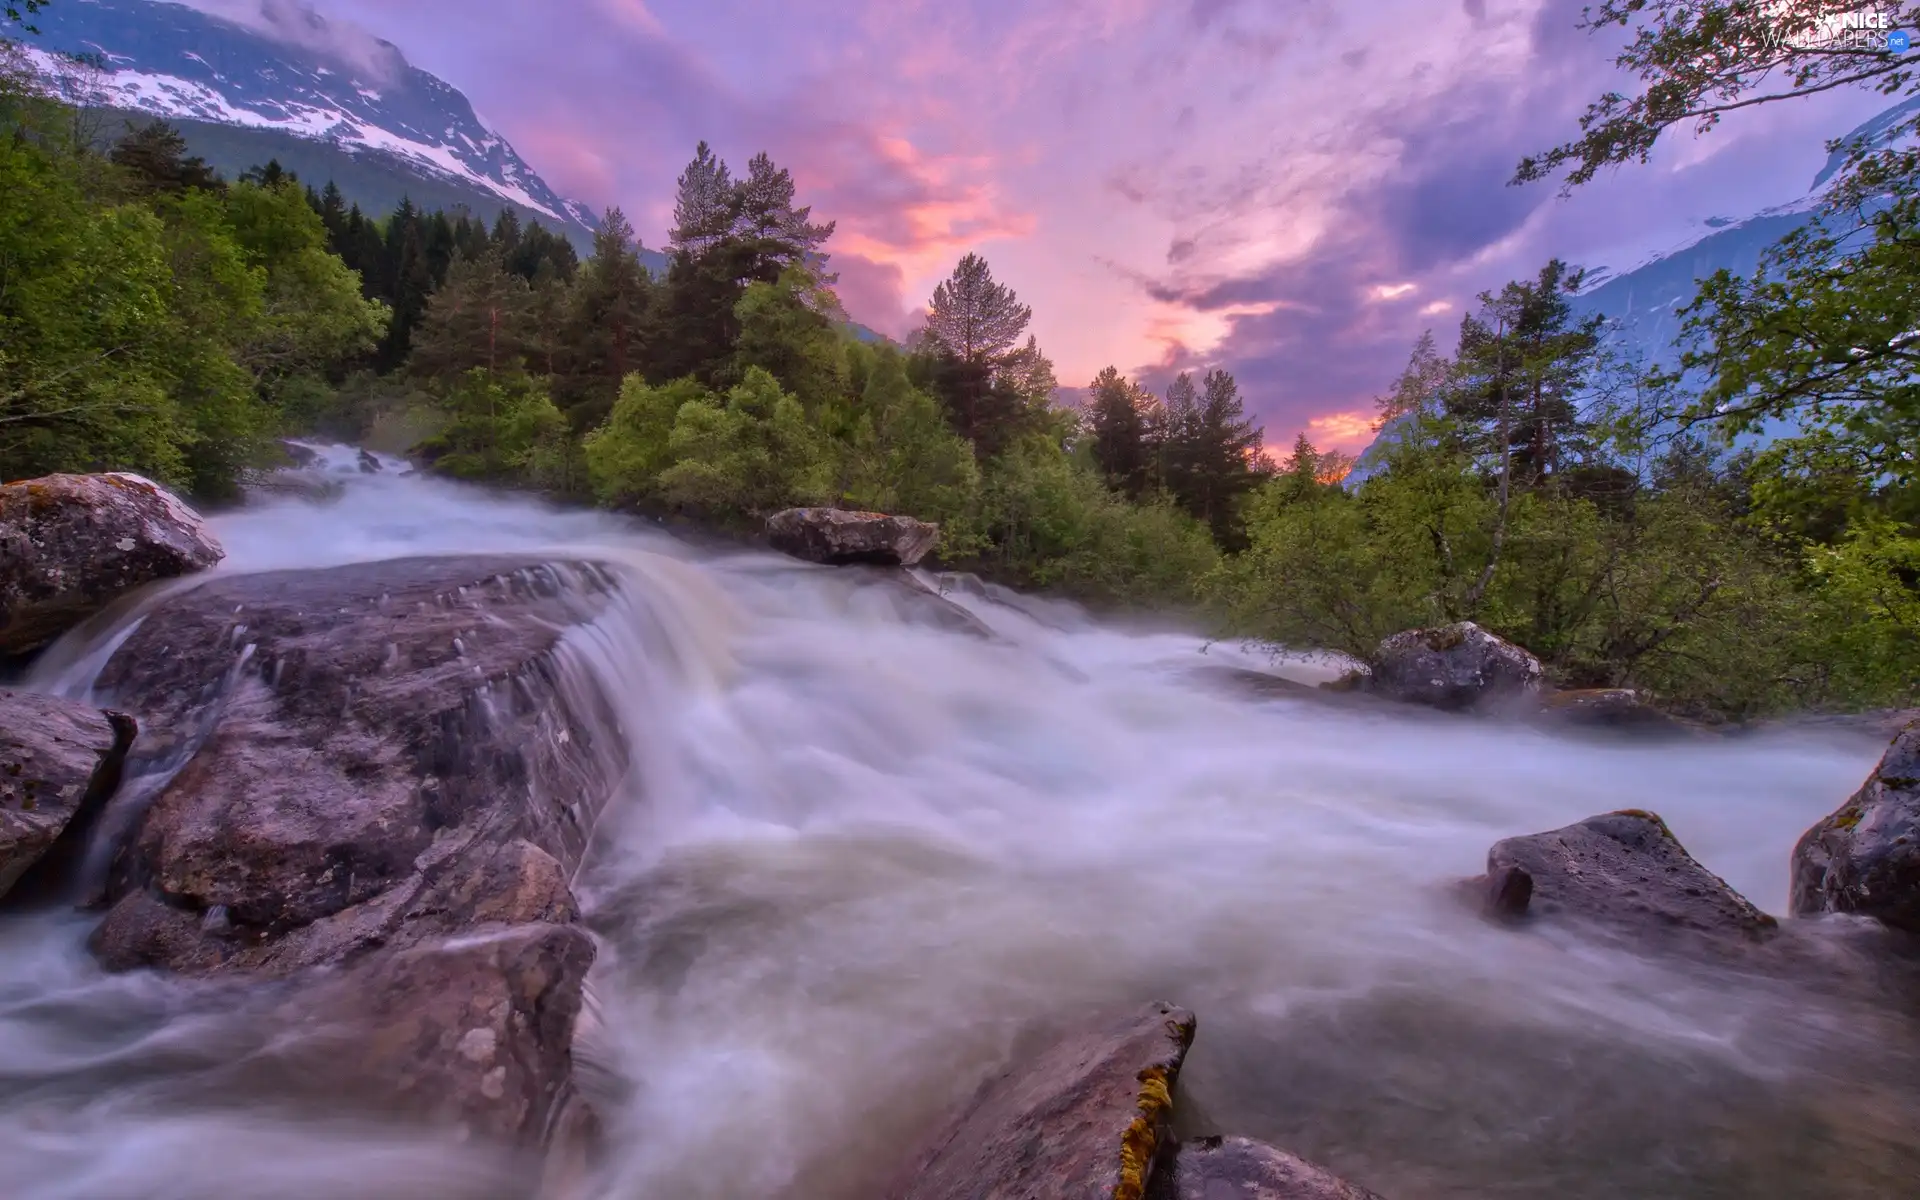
<point x="836" y="536"/>
<point x="1086" y="1117"/>
<point x="1454" y="667"/>
<point x="59" y="761"/>
<point x="1623" y="871"/>
<point x="370" y="463"/>
<point x="72" y="544"/>
<point x="1242" y="1169"/>
<point x="366" y="769"/>
<point x="1865" y="857"/>
<point x="1619" y="709"/>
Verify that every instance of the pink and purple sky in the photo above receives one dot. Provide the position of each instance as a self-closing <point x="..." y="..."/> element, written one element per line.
<point x="1292" y="189"/>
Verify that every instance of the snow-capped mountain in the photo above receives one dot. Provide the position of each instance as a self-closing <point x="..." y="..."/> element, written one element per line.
<point x="292" y="77"/>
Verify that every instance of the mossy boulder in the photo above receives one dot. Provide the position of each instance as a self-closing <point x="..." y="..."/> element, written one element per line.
<point x="72" y="544"/>
<point x="1087" y="1116"/>
<point x="1864" y="858"/>
<point x="838" y="537"/>
<point x="1457" y="668"/>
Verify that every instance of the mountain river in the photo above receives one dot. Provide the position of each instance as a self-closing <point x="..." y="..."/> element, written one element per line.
<point x="861" y="852"/>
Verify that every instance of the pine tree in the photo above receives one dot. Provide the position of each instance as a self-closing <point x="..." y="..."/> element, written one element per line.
<point x="155" y="156"/>
<point x="1420" y="387"/>
<point x="507" y="235"/>
<point x="1520" y="368"/>
<point x="608" y="325"/>
<point x="333" y="214"/>
<point x="1118" y="423"/>
<point x="775" y="234"/>
<point x="409" y="279"/>
<point x="481" y="318"/>
<point x="1215" y="448"/>
<point x="703" y="208"/>
<point x="975" y="318"/>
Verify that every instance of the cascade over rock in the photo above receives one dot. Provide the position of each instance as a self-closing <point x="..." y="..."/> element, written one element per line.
<point x="387" y="773"/>
<point x="72" y="544"/>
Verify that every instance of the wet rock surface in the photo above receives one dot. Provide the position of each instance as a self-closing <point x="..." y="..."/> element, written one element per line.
<point x="1237" y="1168"/>
<point x="1086" y="1117"/>
<point x="836" y="537"/>
<point x="1621" y="710"/>
<point x="59" y="762"/>
<point x="1455" y="667"/>
<point x="72" y="544"/>
<point x="1865" y="857"/>
<point x="1624" y="872"/>
<point x="374" y="770"/>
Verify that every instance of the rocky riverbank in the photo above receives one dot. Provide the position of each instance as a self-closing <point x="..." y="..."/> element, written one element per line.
<point x="364" y="794"/>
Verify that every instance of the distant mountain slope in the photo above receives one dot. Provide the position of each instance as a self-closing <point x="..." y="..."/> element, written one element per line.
<point x="1643" y="302"/>
<point x="381" y="123"/>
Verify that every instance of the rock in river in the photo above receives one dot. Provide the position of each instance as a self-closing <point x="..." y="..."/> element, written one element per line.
<point x="1454" y="667"/>
<point x="72" y="544"/>
<point x="1865" y="857"/>
<point x="1086" y="1117"/>
<point x="1241" y="1169"/>
<point x="385" y="773"/>
<point x="836" y="536"/>
<point x="59" y="761"/>
<point x="1622" y="871"/>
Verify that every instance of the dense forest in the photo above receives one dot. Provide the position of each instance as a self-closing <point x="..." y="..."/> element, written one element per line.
<point x="158" y="318"/>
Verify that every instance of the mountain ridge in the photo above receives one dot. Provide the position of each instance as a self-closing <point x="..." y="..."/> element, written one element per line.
<point x="167" y="60"/>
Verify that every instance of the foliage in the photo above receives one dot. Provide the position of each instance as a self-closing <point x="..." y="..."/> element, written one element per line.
<point x="1698" y="60"/>
<point x="500" y="426"/>
<point x="1055" y="524"/>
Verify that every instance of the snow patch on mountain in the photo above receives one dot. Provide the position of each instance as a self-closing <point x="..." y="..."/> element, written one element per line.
<point x="177" y="62"/>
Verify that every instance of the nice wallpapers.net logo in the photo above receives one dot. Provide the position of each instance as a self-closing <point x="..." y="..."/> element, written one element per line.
<point x="1859" y="30"/>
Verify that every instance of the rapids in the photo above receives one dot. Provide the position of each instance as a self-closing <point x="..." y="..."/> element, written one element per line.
<point x="861" y="853"/>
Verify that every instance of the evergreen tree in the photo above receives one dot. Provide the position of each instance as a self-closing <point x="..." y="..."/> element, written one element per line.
<point x="1118" y="422"/>
<point x="1420" y="386"/>
<point x="481" y="318"/>
<point x="1520" y="368"/>
<point x="975" y="318"/>
<point x="1177" y="442"/>
<point x="609" y="322"/>
<point x="333" y="216"/>
<point x="408" y="278"/>
<point x="155" y="156"/>
<point x="703" y="208"/>
<point x="774" y="235"/>
<point x="507" y="235"/>
<point x="1223" y="452"/>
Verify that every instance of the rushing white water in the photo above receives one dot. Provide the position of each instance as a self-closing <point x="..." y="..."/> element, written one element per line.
<point x="865" y="851"/>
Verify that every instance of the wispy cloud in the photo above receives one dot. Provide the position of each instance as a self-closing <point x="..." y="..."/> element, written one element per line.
<point x="1293" y="191"/>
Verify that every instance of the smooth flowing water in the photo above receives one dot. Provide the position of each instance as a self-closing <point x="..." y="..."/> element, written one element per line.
<point x="863" y="852"/>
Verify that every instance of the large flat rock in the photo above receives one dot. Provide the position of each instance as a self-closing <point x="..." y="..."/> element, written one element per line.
<point x="354" y="771"/>
<point x="1084" y="1119"/>
<point x="59" y="761"/>
<point x="72" y="544"/>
